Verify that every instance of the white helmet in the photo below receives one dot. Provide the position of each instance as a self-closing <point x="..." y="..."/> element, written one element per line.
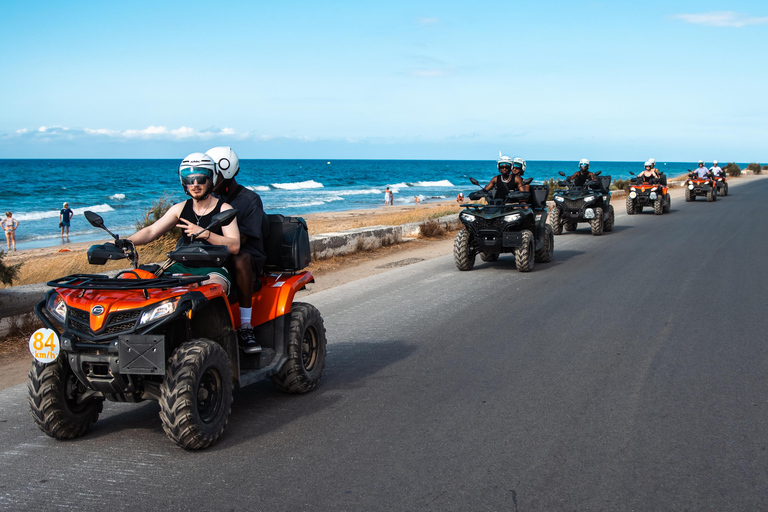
<point x="227" y="163"/>
<point x="503" y="159"/>
<point x="653" y="162"/>
<point x="714" y="162"/>
<point x="701" y="162"/>
<point x="648" y="164"/>
<point x="196" y="165"/>
<point x="519" y="163"/>
<point x="584" y="162"/>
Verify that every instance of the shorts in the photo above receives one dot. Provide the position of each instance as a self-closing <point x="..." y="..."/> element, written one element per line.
<point x="64" y="224"/>
<point x="178" y="268"/>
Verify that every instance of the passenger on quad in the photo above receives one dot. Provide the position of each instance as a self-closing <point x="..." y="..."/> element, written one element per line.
<point x="648" y="173"/>
<point x="196" y="175"/>
<point x="717" y="170"/>
<point x="509" y="179"/>
<point x="247" y="264"/>
<point x="583" y="175"/>
<point x="701" y="171"/>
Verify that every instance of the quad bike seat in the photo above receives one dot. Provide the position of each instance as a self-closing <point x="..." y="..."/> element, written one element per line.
<point x="539" y="195"/>
<point x="605" y="182"/>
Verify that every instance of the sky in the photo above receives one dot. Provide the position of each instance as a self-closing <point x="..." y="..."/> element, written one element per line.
<point x="546" y="80"/>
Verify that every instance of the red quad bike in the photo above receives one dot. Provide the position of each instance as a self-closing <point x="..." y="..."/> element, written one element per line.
<point x="722" y="184"/>
<point x="696" y="186"/>
<point x="653" y="192"/>
<point x="146" y="335"/>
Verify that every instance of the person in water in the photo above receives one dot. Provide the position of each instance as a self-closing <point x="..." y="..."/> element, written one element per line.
<point x="196" y="175"/>
<point x="510" y="177"/>
<point x="9" y="226"/>
<point x="583" y="175"/>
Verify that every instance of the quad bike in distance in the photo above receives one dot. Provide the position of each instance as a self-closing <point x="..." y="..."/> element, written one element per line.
<point x="505" y="226"/>
<point x="722" y="184"/>
<point x="653" y="192"/>
<point x="589" y="203"/>
<point x="147" y="335"/>
<point x="697" y="186"/>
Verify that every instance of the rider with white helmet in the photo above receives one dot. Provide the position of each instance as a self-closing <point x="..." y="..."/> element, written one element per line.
<point x="701" y="171"/>
<point x="649" y="172"/>
<point x="716" y="169"/>
<point x="254" y="226"/>
<point x="583" y="175"/>
<point x="510" y="177"/>
<point x="196" y="174"/>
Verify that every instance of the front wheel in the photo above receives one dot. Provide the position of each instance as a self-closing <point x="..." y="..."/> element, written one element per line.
<point x="658" y="206"/>
<point x="556" y="219"/>
<point x="306" y="351"/>
<point x="196" y="395"/>
<point x="597" y="223"/>
<point x="59" y="402"/>
<point x="689" y="195"/>
<point x="711" y="195"/>
<point x="608" y="225"/>
<point x="630" y="206"/>
<point x="524" y="255"/>
<point x="463" y="256"/>
<point x="547" y="250"/>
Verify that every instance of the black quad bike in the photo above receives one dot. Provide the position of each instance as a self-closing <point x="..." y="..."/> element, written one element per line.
<point x="653" y="192"/>
<point x="147" y="335"/>
<point x="505" y="226"/>
<point x="589" y="203"/>
<point x="697" y="186"/>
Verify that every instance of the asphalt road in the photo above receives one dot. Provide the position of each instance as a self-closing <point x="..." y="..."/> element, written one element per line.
<point x="628" y="374"/>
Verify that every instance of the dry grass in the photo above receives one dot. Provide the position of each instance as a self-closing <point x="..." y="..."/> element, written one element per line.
<point x="15" y="340"/>
<point x="328" y="223"/>
<point x="431" y="229"/>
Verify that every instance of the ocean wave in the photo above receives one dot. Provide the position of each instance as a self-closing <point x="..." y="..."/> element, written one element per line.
<point x="117" y="196"/>
<point x="258" y="188"/>
<point x="297" y="185"/>
<point x="441" y="183"/>
<point x="359" y="192"/>
<point x="53" y="214"/>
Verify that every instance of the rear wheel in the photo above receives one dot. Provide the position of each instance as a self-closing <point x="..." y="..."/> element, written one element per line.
<point x="638" y="207"/>
<point x="725" y="190"/>
<point x="59" y="402"/>
<point x="570" y="225"/>
<point x="463" y="256"/>
<point x="306" y="351"/>
<point x="544" y="254"/>
<point x="556" y="219"/>
<point x="489" y="256"/>
<point x="524" y="255"/>
<point x="608" y="225"/>
<point x="597" y="223"/>
<point x="658" y="206"/>
<point x="196" y="395"/>
<point x="668" y="203"/>
<point x="630" y="206"/>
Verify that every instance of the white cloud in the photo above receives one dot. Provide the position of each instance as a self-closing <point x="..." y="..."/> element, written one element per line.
<point x="721" y="19"/>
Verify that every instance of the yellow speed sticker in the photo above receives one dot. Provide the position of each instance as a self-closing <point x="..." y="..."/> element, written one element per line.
<point x="44" y="345"/>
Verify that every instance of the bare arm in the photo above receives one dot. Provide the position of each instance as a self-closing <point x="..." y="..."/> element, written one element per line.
<point x="230" y="236"/>
<point x="490" y="184"/>
<point x="520" y="186"/>
<point x="159" y="228"/>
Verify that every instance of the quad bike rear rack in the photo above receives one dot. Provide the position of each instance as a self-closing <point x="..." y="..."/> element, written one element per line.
<point x="103" y="282"/>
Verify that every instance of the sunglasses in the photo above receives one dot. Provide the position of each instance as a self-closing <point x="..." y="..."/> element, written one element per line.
<point x="505" y="166"/>
<point x="192" y="178"/>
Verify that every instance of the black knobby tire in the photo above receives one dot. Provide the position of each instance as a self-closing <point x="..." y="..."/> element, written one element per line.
<point x="638" y="208"/>
<point x="524" y="255"/>
<point x="556" y="220"/>
<point x="710" y="195"/>
<point x="490" y="257"/>
<point x="597" y="223"/>
<point x="305" y="344"/>
<point x="608" y="225"/>
<point x="630" y="206"/>
<point x="570" y="225"/>
<point x="196" y="395"/>
<point x="53" y="393"/>
<point x="547" y="250"/>
<point x="689" y="195"/>
<point x="725" y="190"/>
<point x="463" y="256"/>
<point x="658" y="206"/>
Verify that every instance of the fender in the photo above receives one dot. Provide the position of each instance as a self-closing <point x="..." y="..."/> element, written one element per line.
<point x="275" y="297"/>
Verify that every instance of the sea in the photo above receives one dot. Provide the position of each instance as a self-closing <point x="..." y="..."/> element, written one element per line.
<point x="121" y="190"/>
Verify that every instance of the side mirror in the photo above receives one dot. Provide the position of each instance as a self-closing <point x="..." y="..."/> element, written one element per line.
<point x="528" y="181"/>
<point x="630" y="172"/>
<point x="95" y="219"/>
<point x="597" y="173"/>
<point x="474" y="182"/>
<point x="222" y="218"/>
<point x="561" y="173"/>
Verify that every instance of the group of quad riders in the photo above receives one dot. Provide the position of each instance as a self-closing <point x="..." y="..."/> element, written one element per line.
<point x="514" y="216"/>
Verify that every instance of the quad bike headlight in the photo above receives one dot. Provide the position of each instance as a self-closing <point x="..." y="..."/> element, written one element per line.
<point x="589" y="199"/>
<point x="159" y="311"/>
<point x="654" y="189"/>
<point x="559" y="199"/>
<point x="652" y="196"/>
<point x="632" y="189"/>
<point x="468" y="217"/>
<point x="512" y="218"/>
<point x="690" y="187"/>
<point x="632" y="194"/>
<point x="57" y="308"/>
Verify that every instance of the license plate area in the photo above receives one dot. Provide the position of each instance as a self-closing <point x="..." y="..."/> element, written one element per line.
<point x="512" y="239"/>
<point x="141" y="355"/>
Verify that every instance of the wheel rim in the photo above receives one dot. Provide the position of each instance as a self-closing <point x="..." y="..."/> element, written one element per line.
<point x="309" y="346"/>
<point x="209" y="395"/>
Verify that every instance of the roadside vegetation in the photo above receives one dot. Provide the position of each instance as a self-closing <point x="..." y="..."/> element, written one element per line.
<point x="732" y="169"/>
<point x="755" y="168"/>
<point x="8" y="272"/>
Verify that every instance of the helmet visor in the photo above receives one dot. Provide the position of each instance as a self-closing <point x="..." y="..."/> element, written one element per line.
<point x="583" y="166"/>
<point x="505" y="166"/>
<point x="517" y="165"/>
<point x="191" y="174"/>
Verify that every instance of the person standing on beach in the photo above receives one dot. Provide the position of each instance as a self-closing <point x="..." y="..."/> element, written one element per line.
<point x="64" y="217"/>
<point x="460" y="198"/>
<point x="391" y="197"/>
<point x="386" y="197"/>
<point x="248" y="263"/>
<point x="9" y="226"/>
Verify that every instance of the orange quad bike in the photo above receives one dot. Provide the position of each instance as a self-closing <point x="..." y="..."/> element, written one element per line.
<point x="147" y="335"/>
<point x="722" y="184"/>
<point x="653" y="192"/>
<point x="696" y="186"/>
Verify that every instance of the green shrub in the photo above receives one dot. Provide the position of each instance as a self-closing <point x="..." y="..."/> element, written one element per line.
<point x="755" y="168"/>
<point x="732" y="169"/>
<point x="8" y="272"/>
<point x="155" y="211"/>
<point x="552" y="188"/>
<point x="765" y="168"/>
<point x="620" y="184"/>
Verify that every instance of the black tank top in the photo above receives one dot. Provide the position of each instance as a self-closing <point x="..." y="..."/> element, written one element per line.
<point x="502" y="189"/>
<point x="187" y="213"/>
